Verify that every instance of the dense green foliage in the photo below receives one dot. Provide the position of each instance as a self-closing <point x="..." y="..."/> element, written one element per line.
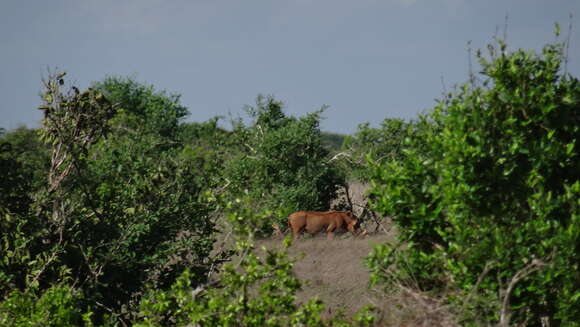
<point x="58" y="306"/>
<point x="487" y="195"/>
<point x="115" y="197"/>
<point x="332" y="141"/>
<point x="30" y="152"/>
<point x="141" y="107"/>
<point x="281" y="162"/>
<point x="118" y="213"/>
<point x="18" y="228"/>
<point x="380" y="145"/>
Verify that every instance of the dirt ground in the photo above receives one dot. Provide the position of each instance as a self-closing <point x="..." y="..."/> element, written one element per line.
<point x="333" y="271"/>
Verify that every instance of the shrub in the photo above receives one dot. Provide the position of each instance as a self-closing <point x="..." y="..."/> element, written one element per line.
<point x="58" y="306"/>
<point x="281" y="162"/>
<point x="123" y="207"/>
<point x="379" y="145"/>
<point x="487" y="196"/>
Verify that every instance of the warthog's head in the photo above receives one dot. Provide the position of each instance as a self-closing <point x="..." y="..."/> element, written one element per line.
<point x="354" y="225"/>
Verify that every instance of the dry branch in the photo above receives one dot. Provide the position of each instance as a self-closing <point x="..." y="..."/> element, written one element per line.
<point x="505" y="313"/>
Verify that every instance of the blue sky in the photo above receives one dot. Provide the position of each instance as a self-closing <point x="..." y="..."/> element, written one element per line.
<point x="366" y="59"/>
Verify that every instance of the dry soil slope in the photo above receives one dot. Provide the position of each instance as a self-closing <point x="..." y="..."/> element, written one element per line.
<point x="334" y="270"/>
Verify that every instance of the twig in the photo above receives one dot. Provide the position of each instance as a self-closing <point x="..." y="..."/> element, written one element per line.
<point x="53" y="257"/>
<point x="505" y="313"/>
<point x="252" y="149"/>
<point x="340" y="154"/>
<point x="347" y="194"/>
<point x="374" y="217"/>
<point x="505" y="27"/>
<point x="213" y="266"/>
<point x="486" y="269"/>
<point x="566" y="50"/>
<point x="469" y="63"/>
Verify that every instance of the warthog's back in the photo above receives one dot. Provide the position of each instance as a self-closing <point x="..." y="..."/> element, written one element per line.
<point x="315" y="221"/>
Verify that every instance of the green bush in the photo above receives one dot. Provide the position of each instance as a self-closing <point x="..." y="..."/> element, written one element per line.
<point x="147" y="189"/>
<point x="332" y="141"/>
<point x="123" y="206"/>
<point x="487" y="196"/>
<point x="141" y="107"/>
<point x="379" y="145"/>
<point x="32" y="155"/>
<point x="281" y="162"/>
<point x="58" y="306"/>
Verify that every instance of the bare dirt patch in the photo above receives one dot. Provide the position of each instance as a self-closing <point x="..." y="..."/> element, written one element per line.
<point x="333" y="271"/>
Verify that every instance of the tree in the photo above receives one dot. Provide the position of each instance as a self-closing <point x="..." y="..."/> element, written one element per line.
<point x="332" y="141"/>
<point x="379" y="145"/>
<point x="150" y="188"/>
<point x="281" y="162"/>
<point x="30" y="152"/>
<point x="141" y="107"/>
<point x="487" y="197"/>
<point x="123" y="207"/>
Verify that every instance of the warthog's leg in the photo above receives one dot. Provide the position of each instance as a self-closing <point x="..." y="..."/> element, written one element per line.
<point x="296" y="233"/>
<point x="330" y="232"/>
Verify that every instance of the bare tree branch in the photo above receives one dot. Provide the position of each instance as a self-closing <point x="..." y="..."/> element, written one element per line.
<point x="505" y="313"/>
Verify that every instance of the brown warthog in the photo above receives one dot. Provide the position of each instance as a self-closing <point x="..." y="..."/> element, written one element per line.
<point x="315" y="221"/>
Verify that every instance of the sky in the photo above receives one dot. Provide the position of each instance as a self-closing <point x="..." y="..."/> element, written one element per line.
<point x="366" y="59"/>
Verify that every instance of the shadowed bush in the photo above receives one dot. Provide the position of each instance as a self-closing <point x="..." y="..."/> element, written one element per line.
<point x="487" y="195"/>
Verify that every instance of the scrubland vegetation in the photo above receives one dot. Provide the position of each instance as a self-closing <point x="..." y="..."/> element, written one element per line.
<point x="116" y="212"/>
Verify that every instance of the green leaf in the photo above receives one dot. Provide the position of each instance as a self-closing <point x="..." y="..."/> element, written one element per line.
<point x="569" y="148"/>
<point x="568" y="99"/>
